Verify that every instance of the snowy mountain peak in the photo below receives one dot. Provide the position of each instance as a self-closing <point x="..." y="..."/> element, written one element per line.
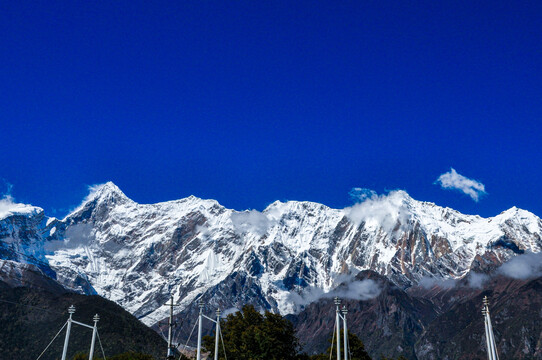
<point x="105" y="196"/>
<point x="107" y="191"/>
<point x="140" y="254"/>
<point x="279" y="207"/>
<point x="10" y="208"/>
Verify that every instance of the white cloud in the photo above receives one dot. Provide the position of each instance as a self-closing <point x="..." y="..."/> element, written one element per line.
<point x="354" y="290"/>
<point x="9" y="207"/>
<point x="474" y="280"/>
<point x="525" y="266"/>
<point x="9" y="188"/>
<point x="7" y="203"/>
<point x="229" y="311"/>
<point x="477" y="280"/>
<point x="359" y="290"/>
<point x="251" y="221"/>
<point x="78" y="235"/>
<point x="386" y="211"/>
<point x="456" y="181"/>
<point x="361" y="194"/>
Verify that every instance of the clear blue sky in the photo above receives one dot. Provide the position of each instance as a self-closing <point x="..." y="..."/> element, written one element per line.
<point x="248" y="102"/>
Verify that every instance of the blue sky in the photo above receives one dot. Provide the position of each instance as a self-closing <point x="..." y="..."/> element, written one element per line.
<point x="248" y="102"/>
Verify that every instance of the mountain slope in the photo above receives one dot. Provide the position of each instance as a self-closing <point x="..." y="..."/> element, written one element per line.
<point x="436" y="322"/>
<point x="33" y="308"/>
<point x="388" y="324"/>
<point x="138" y="255"/>
<point x="458" y="333"/>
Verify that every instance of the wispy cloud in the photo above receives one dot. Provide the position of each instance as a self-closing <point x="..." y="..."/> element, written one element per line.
<point x="362" y="290"/>
<point x="525" y="266"/>
<point x="8" y="206"/>
<point x="92" y="190"/>
<point x="78" y="235"/>
<point x="358" y="194"/>
<point x="9" y="188"/>
<point x="477" y="280"/>
<point x="251" y="221"/>
<point x="454" y="180"/>
<point x="387" y="211"/>
<point x="473" y="280"/>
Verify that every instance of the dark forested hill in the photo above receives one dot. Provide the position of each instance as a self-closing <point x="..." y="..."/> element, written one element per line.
<point x="30" y="318"/>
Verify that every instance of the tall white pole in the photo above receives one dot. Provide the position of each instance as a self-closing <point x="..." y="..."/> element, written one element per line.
<point x="94" y="331"/>
<point x="338" y="321"/>
<point x="485" y="311"/>
<point x="492" y="337"/>
<point x="489" y="355"/>
<point x="170" y="326"/>
<point x="198" y="351"/>
<point x="345" y="333"/>
<point x="71" y="310"/>
<point x="217" y="332"/>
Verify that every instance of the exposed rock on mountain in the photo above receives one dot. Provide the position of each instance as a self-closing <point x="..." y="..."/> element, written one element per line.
<point x="281" y="259"/>
<point x="137" y="255"/>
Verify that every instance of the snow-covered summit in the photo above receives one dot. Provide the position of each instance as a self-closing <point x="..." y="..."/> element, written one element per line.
<point x="9" y="208"/>
<point x="105" y="193"/>
<point x="140" y="254"/>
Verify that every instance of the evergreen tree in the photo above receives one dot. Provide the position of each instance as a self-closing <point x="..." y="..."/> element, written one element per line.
<point x="131" y="355"/>
<point x="249" y="335"/>
<point x="356" y="346"/>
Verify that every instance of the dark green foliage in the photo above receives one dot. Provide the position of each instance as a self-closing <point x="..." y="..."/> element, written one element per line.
<point x="249" y="335"/>
<point x="131" y="356"/>
<point x="125" y="356"/>
<point x="357" y="349"/>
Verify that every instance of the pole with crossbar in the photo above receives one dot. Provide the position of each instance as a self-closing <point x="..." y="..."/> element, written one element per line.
<point x="94" y="331"/>
<point x="71" y="310"/>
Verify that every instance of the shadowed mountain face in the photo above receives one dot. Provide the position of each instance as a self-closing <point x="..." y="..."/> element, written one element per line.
<point x="516" y="312"/>
<point x="434" y="323"/>
<point x="32" y="314"/>
<point x="388" y="324"/>
<point x="281" y="259"/>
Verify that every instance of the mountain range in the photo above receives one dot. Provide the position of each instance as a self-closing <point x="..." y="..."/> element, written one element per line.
<point x="419" y="258"/>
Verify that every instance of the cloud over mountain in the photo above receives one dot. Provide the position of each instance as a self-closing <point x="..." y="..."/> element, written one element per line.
<point x="526" y="266"/>
<point x="455" y="181"/>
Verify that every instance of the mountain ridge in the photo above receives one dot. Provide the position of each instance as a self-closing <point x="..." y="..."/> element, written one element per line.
<point x="140" y="254"/>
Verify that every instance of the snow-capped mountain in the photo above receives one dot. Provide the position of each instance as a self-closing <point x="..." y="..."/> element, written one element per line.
<point x="140" y="254"/>
<point x="21" y="239"/>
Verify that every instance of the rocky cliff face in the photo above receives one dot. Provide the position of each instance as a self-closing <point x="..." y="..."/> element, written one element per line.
<point x="388" y="324"/>
<point x="458" y="333"/>
<point x="21" y="235"/>
<point x="280" y="259"/>
<point x="442" y="321"/>
<point x="138" y="255"/>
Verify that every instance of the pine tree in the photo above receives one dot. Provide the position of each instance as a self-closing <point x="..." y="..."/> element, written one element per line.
<point x="249" y="335"/>
<point x="356" y="347"/>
